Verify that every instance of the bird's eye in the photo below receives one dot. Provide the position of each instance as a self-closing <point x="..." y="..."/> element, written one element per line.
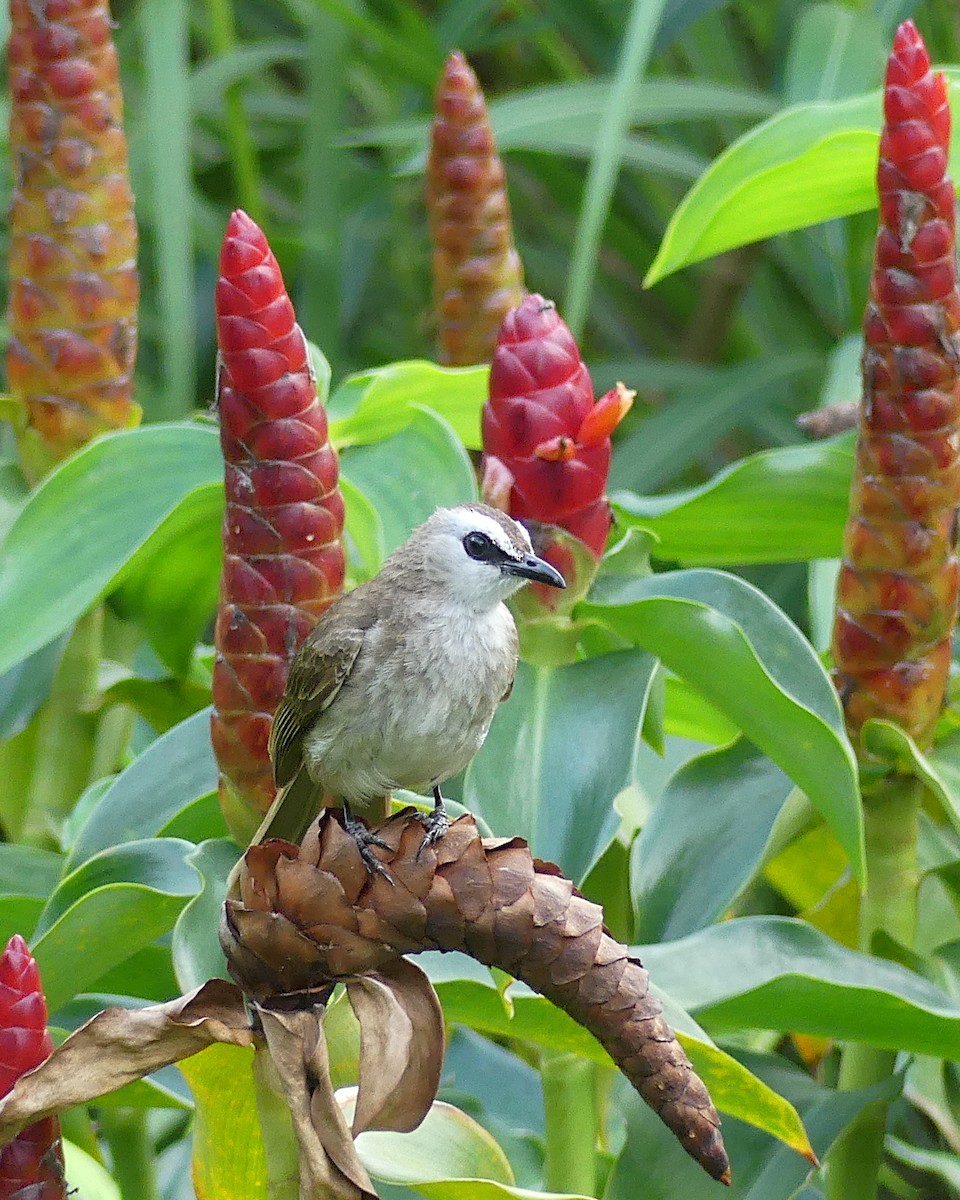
<point x="479" y="546"/>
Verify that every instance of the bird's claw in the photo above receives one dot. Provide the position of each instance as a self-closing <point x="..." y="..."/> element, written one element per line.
<point x="435" y="823"/>
<point x="364" y="840"/>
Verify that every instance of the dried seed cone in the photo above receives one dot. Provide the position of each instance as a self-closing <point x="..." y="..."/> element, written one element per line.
<point x="477" y="274"/>
<point x="310" y="914"/>
<point x="283" y="555"/>
<point x="897" y="592"/>
<point x="73" y="237"/>
<point x="31" y="1166"/>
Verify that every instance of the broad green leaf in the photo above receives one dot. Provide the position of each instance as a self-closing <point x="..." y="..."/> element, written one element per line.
<point x="376" y="404"/>
<point x="483" y="1189"/>
<point x="406" y="476"/>
<point x="196" y="951"/>
<point x="89" y="1179"/>
<point x="834" y="52"/>
<point x="688" y="715"/>
<point x="704" y="841"/>
<point x="751" y="662"/>
<point x="942" y="1165"/>
<point x="888" y="743"/>
<point x="170" y="774"/>
<point x="18" y="914"/>
<point x="364" y="533"/>
<point x="779" y="973"/>
<point x="558" y="752"/>
<point x="116" y="903"/>
<point x="470" y="997"/>
<point x="541" y="118"/>
<point x="28" y="870"/>
<point x="228" y="1155"/>
<point x="93" y="512"/>
<point x="162" y="703"/>
<point x="785" y="505"/>
<point x="24" y="687"/>
<point x="170" y="585"/>
<point x="447" y="1145"/>
<point x="807" y="164"/>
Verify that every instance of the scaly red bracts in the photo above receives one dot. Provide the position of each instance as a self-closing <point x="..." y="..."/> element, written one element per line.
<point x="897" y="592"/>
<point x="283" y="555"/>
<point x="31" y="1166"/>
<point x="477" y="273"/>
<point x="74" y="287"/>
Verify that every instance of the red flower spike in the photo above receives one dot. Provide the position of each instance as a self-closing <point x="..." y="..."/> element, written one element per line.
<point x="542" y="426"/>
<point x="898" y="585"/>
<point x="31" y="1166"/>
<point x="477" y="274"/>
<point x="283" y="555"/>
<point x="73" y="237"/>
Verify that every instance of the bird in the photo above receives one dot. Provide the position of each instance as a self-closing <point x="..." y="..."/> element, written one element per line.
<point x="399" y="680"/>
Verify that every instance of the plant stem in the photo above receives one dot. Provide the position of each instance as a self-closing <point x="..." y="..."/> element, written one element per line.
<point x="131" y="1152"/>
<point x="66" y="733"/>
<point x="570" y="1112"/>
<point x="891" y="824"/>
<point x="120" y="641"/>
<point x="279" y="1140"/>
<point x="243" y="156"/>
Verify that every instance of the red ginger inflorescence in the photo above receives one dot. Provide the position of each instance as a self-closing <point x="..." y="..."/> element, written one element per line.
<point x="31" y="1166"/>
<point x="897" y="592"/>
<point x="546" y="440"/>
<point x="283" y="555"/>
<point x="73" y="236"/>
<point x="477" y="273"/>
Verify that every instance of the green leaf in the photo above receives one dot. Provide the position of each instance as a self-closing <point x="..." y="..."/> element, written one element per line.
<point x="28" y="871"/>
<point x="483" y="1189"/>
<point x="688" y="715"/>
<point x="163" y="703"/>
<point x="785" y="505"/>
<point x="228" y="1155"/>
<point x="558" y="752"/>
<point x="704" y="840"/>
<point x="364" y="533"/>
<point x="25" y="687"/>
<point x="447" y="1145"/>
<point x="888" y="743"/>
<point x="93" y="512"/>
<point x="834" y="52"/>
<point x="779" y="973"/>
<point x="406" y="476"/>
<point x="197" y="956"/>
<point x="116" y="903"/>
<point x="748" y="659"/>
<point x="170" y="585"/>
<point x="939" y="1163"/>
<point x="89" y="1179"/>
<point x="170" y="774"/>
<point x="376" y="404"/>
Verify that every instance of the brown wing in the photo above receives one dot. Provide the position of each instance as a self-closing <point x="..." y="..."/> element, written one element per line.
<point x="316" y="676"/>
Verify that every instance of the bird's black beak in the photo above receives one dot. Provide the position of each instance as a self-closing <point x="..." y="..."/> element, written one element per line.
<point x="536" y="569"/>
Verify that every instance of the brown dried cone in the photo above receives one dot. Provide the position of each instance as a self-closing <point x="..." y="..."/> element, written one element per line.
<point x="477" y="273"/>
<point x="300" y="917"/>
<point x="73" y="236"/>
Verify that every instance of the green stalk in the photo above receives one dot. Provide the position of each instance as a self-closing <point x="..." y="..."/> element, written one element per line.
<point x="132" y="1157"/>
<point x="120" y="641"/>
<point x="605" y="162"/>
<point x="222" y="32"/>
<point x="66" y="734"/>
<point x="891" y="825"/>
<point x="570" y="1114"/>
<point x="279" y="1139"/>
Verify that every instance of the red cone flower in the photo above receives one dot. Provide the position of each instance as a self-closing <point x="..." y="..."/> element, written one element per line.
<point x="31" y="1166"/>
<point x="283" y="557"/>
<point x="546" y="440"/>
<point x="477" y="274"/>
<point x="897" y="593"/>
<point x="73" y="237"/>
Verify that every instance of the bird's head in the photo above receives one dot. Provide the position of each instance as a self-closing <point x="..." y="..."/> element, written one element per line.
<point x="480" y="555"/>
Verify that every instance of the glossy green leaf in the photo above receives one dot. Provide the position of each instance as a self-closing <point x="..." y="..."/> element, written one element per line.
<point x="939" y="1163"/>
<point x="688" y="715"/>
<point x="228" y="1155"/>
<point x="732" y="643"/>
<point x="93" y="512"/>
<point x="116" y="903"/>
<point x="89" y="1179"/>
<point x="785" y="505"/>
<point x="24" y="687"/>
<point x="406" y="476"/>
<point x="170" y="774"/>
<point x="364" y="533"/>
<point x="162" y="703"/>
<point x="447" y="1145"/>
<point x="888" y="743"/>
<point x="704" y="841"/>
<point x="807" y="164"/>
<point x="376" y="404"/>
<point x="779" y="973"/>
<point x="196" y="951"/>
<point x="28" y="870"/>
<point x="558" y="752"/>
<point x="170" y="585"/>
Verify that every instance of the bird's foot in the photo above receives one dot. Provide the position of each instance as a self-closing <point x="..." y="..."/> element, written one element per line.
<point x="364" y="839"/>
<point x="436" y="823"/>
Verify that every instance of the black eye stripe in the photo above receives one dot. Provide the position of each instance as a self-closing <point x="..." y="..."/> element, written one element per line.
<point x="480" y="547"/>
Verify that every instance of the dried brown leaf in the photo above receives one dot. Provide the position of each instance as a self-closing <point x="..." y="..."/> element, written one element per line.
<point x="401" y="1047"/>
